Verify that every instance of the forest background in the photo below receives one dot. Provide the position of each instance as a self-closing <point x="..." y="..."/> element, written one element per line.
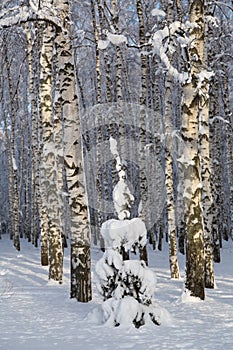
<point x="154" y="75"/>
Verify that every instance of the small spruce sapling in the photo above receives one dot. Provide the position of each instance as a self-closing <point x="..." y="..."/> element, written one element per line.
<point x="127" y="286"/>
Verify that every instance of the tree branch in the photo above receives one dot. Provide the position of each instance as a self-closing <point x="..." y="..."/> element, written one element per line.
<point x="26" y="14"/>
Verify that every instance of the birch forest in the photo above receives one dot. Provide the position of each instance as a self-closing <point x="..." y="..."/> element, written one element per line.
<point x="116" y="134"/>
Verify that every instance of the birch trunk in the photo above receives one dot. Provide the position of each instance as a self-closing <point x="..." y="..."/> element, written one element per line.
<point x="191" y="159"/>
<point x="207" y="201"/>
<point x="214" y="147"/>
<point x="49" y="161"/>
<point x="229" y="145"/>
<point x="14" y="189"/>
<point x="174" y="267"/>
<point x="10" y="177"/>
<point x="73" y="157"/>
<point x="142" y="40"/>
<point x="204" y="149"/>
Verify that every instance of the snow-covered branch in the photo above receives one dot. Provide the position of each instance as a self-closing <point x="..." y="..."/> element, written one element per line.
<point x="159" y="42"/>
<point x="221" y="119"/>
<point x="25" y="14"/>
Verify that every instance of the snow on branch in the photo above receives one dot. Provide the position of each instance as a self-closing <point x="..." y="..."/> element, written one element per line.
<point x="124" y="233"/>
<point x="115" y="39"/>
<point x="221" y="119"/>
<point x="159" y="13"/>
<point x="103" y="44"/>
<point x="24" y="14"/>
<point x="159" y="42"/>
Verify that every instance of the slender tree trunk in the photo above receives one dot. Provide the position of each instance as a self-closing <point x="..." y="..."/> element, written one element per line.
<point x="15" y="193"/>
<point x="142" y="40"/>
<point x="214" y="146"/>
<point x="174" y="267"/>
<point x="204" y="149"/>
<point x="229" y="146"/>
<point x="50" y="181"/>
<point x="10" y="177"/>
<point x="191" y="159"/>
<point x="73" y="157"/>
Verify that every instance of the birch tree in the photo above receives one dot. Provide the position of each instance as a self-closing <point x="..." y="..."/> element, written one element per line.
<point x="191" y="158"/>
<point x="14" y="189"/>
<point x="49" y="165"/>
<point x="174" y="267"/>
<point x="73" y="159"/>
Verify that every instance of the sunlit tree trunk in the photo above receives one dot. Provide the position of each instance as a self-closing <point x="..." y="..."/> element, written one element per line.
<point x="168" y="116"/>
<point x="191" y="158"/>
<point x="204" y="149"/>
<point x="73" y="157"/>
<point x="49" y="160"/>
<point x="33" y="55"/>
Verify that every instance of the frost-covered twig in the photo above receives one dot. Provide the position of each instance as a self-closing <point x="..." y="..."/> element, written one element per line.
<point x="221" y="119"/>
<point x="25" y="14"/>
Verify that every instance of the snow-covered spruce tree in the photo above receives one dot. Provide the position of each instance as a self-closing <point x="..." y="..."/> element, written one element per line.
<point x="127" y="286"/>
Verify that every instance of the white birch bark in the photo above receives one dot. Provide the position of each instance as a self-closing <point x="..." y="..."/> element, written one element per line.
<point x="14" y="190"/>
<point x="168" y="116"/>
<point x="191" y="159"/>
<point x="49" y="161"/>
<point x="73" y="157"/>
<point x="204" y="149"/>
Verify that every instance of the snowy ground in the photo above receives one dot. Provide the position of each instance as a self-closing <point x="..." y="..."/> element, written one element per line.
<point x="37" y="314"/>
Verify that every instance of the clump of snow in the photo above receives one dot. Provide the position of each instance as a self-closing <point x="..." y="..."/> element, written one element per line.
<point x="122" y="197"/>
<point x="116" y="39"/>
<point x="124" y="233"/>
<point x="160" y="48"/>
<point x="186" y="297"/>
<point x="103" y="44"/>
<point x="157" y="12"/>
<point x="124" y="312"/>
<point x="204" y="76"/>
<point x="211" y="20"/>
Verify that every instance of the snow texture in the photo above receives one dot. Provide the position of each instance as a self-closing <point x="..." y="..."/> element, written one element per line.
<point x="125" y="233"/>
<point x="116" y="39"/>
<point x="157" y="12"/>
<point x="128" y="288"/>
<point x="122" y="197"/>
<point x="159" y="48"/>
<point x="38" y="316"/>
<point x="103" y="44"/>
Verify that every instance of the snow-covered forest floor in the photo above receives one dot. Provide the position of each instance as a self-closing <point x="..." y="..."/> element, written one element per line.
<point x="37" y="314"/>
